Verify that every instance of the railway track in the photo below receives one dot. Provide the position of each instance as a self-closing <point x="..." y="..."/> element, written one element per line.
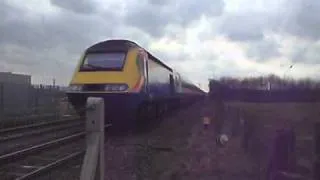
<point x="26" y="136"/>
<point x="36" y="129"/>
<point x="9" y="122"/>
<point x="34" y="161"/>
<point x="35" y="125"/>
<point x="38" y="159"/>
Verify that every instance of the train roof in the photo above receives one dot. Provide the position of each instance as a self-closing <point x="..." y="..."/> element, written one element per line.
<point x="121" y="45"/>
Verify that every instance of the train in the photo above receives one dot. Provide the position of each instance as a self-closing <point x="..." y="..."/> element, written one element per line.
<point x="136" y="86"/>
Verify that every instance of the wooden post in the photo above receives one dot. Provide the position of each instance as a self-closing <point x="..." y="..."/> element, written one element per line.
<point x="206" y="122"/>
<point x="247" y="134"/>
<point x="282" y="159"/>
<point x="93" y="163"/>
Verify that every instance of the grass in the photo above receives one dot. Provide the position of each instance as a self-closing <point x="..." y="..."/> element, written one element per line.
<point x="300" y="116"/>
<point x="180" y="148"/>
<point x="188" y="141"/>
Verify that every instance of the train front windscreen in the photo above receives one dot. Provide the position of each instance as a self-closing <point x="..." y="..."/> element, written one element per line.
<point x="103" y="61"/>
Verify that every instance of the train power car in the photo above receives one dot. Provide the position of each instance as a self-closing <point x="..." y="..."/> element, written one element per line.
<point x="136" y="86"/>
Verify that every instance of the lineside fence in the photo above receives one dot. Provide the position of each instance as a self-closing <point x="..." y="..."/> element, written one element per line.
<point x="26" y="99"/>
<point x="264" y="96"/>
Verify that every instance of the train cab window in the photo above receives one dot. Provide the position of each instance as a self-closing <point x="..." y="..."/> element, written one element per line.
<point x="103" y="61"/>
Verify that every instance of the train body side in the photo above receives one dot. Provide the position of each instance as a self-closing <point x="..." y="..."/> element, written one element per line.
<point x="159" y="85"/>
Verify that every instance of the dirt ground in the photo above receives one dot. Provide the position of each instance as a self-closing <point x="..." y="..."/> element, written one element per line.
<point x="182" y="149"/>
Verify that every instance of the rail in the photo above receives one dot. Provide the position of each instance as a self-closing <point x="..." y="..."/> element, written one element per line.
<point x="6" y="158"/>
<point x="93" y="163"/>
<point x="42" y="124"/>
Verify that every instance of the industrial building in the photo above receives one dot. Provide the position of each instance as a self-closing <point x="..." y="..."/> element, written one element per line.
<point x="9" y="77"/>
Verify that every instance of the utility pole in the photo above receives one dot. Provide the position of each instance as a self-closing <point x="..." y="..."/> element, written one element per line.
<point x="284" y="78"/>
<point x="53" y="82"/>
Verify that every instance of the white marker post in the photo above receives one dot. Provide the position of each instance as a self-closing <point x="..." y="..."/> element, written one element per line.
<point x="93" y="163"/>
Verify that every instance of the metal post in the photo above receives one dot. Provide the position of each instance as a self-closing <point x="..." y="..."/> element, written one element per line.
<point x="93" y="163"/>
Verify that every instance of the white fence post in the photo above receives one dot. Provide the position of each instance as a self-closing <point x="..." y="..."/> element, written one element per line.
<point x="93" y="163"/>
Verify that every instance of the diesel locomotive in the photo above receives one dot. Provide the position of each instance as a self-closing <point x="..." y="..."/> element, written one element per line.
<point x="136" y="86"/>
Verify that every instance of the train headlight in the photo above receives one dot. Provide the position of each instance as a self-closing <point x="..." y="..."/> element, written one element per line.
<point x="107" y="87"/>
<point x="123" y="87"/>
<point x="115" y="87"/>
<point x="74" y="87"/>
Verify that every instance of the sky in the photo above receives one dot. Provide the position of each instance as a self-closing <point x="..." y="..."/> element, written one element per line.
<point x="200" y="39"/>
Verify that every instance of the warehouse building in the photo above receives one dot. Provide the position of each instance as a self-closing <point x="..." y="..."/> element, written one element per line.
<point x="15" y="92"/>
<point x="8" y="77"/>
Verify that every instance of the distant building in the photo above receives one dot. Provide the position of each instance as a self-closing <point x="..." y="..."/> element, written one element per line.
<point x="8" y="77"/>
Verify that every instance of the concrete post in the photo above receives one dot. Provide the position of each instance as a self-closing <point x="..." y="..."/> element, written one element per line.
<point x="63" y="107"/>
<point x="93" y="163"/>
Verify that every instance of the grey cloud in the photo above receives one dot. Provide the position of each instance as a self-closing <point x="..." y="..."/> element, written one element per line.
<point x="228" y="68"/>
<point x="77" y="6"/>
<point x="9" y="12"/>
<point x="263" y="50"/>
<point x="153" y="19"/>
<point x="301" y="18"/>
<point x="148" y="20"/>
<point x="176" y="33"/>
<point x="248" y="26"/>
<point x="308" y="54"/>
<point x="133" y="34"/>
<point x="32" y="43"/>
<point x="58" y="40"/>
<point x="171" y="56"/>
<point x="16" y="58"/>
<point x="54" y="63"/>
<point x="67" y="30"/>
<point x="294" y="17"/>
<point x="245" y="36"/>
<point x="249" y="29"/>
<point x="158" y="2"/>
<point x="190" y="10"/>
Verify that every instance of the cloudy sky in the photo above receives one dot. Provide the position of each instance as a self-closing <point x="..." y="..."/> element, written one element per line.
<point x="201" y="39"/>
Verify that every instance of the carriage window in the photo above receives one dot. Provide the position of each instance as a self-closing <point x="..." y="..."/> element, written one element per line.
<point x="97" y="61"/>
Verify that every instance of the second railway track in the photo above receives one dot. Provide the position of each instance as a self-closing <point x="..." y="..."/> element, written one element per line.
<point x="29" y="162"/>
<point x="24" y="128"/>
<point x="34" y="161"/>
<point x="27" y="138"/>
<point x="34" y="131"/>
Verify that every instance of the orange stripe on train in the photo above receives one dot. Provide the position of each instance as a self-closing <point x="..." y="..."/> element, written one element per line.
<point x="139" y="84"/>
